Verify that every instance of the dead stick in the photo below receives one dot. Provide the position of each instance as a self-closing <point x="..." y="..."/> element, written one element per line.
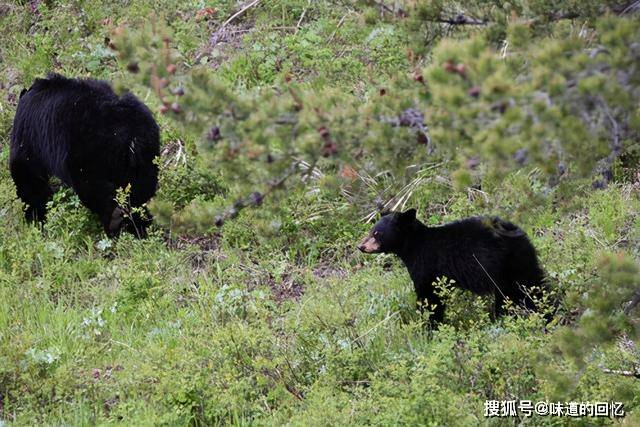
<point x="304" y="12"/>
<point x="238" y="13"/>
<point x="338" y="27"/>
<point x="623" y="373"/>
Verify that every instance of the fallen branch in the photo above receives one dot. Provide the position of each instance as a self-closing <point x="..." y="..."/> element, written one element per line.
<point x="633" y="374"/>
<point x="304" y="12"/>
<point x="338" y="27"/>
<point x="238" y="13"/>
<point x="461" y="19"/>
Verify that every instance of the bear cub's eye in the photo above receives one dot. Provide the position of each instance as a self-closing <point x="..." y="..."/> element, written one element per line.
<point x="376" y="233"/>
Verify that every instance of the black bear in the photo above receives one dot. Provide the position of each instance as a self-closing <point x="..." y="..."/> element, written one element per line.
<point x="485" y="255"/>
<point x="92" y="140"/>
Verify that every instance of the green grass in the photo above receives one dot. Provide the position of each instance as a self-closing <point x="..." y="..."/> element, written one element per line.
<point x="276" y="318"/>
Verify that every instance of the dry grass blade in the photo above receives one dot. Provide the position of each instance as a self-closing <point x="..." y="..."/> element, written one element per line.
<point x="400" y="199"/>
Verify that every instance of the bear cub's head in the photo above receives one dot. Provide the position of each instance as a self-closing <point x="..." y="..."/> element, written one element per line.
<point x="389" y="233"/>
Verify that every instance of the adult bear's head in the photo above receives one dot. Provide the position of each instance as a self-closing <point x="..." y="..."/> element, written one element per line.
<point x="389" y="233"/>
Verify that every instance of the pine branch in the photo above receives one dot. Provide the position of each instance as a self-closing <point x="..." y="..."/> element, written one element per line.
<point x="256" y="198"/>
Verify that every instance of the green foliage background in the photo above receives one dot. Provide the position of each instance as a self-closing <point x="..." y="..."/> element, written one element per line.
<point x="530" y="110"/>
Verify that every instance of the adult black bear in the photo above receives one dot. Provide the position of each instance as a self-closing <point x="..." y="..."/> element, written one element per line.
<point x="482" y="255"/>
<point x="92" y="140"/>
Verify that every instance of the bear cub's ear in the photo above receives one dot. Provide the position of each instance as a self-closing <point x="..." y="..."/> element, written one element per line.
<point x="408" y="216"/>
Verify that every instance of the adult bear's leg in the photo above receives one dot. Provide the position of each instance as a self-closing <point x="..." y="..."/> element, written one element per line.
<point x="143" y="188"/>
<point x="498" y="307"/>
<point x="32" y="187"/>
<point x="99" y="197"/>
<point x="427" y="299"/>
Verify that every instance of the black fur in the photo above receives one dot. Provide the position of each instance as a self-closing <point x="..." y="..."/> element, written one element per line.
<point x="92" y="140"/>
<point x="485" y="255"/>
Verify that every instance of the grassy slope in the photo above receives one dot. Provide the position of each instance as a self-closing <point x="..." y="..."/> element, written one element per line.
<point x="288" y="327"/>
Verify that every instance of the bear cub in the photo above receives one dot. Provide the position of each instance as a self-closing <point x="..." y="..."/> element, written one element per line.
<point x="485" y="255"/>
<point x="81" y="132"/>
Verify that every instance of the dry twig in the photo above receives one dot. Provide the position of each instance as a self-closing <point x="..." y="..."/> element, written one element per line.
<point x="238" y="13"/>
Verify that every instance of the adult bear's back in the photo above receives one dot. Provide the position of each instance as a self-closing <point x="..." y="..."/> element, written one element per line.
<point x="83" y="121"/>
<point x="96" y="142"/>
